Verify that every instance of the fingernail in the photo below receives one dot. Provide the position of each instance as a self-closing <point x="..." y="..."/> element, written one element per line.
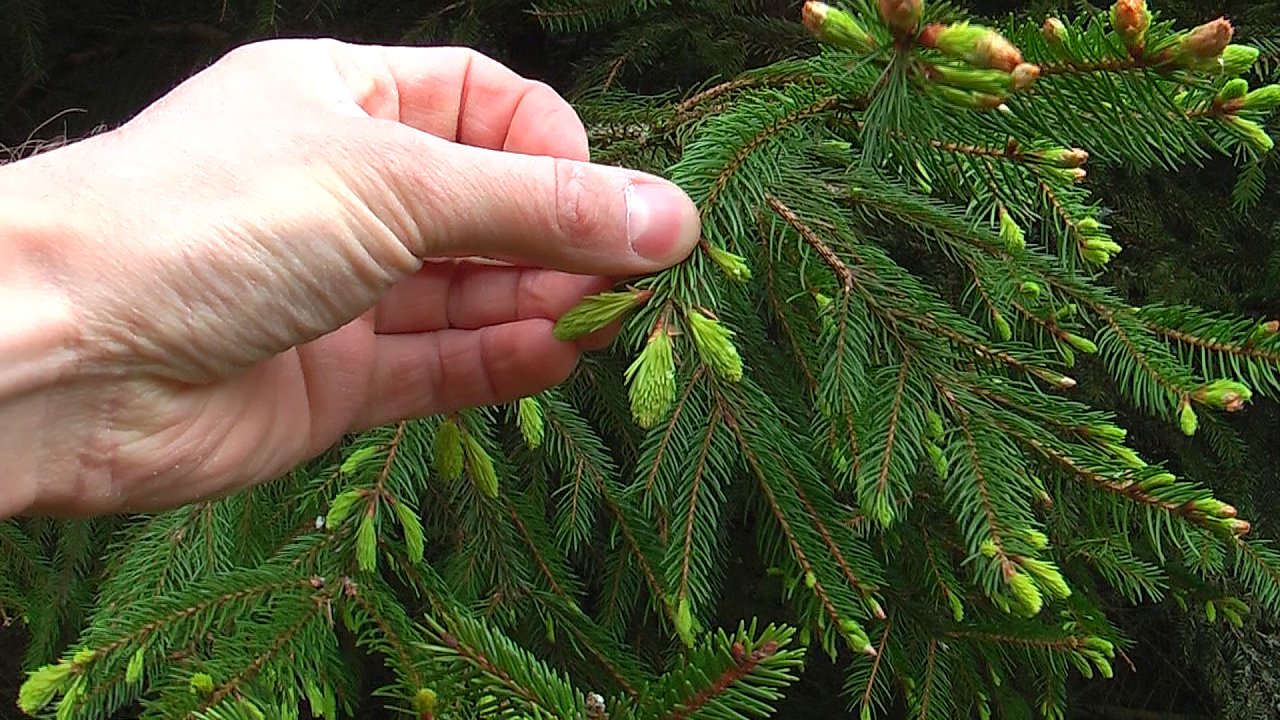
<point x="658" y="219"/>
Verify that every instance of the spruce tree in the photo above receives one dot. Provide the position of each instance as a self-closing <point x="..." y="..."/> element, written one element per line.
<point x="892" y="374"/>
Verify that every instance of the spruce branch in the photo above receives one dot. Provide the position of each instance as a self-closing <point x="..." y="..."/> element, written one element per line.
<point x="519" y="677"/>
<point x="727" y="676"/>
<point x="587" y="636"/>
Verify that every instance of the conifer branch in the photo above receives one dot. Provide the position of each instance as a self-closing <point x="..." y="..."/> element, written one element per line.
<point x="796" y="550"/>
<point x="255" y="666"/>
<point x="391" y="449"/>
<point x="1177" y="388"/>
<point x="518" y="674"/>
<point x="607" y="653"/>
<point x="988" y="353"/>
<point x="531" y="546"/>
<point x="800" y="114"/>
<point x="1064" y="643"/>
<point x="390" y="637"/>
<point x="979" y="477"/>
<point x="895" y="417"/>
<point x="811" y="571"/>
<point x="151" y="627"/>
<point x="779" y="308"/>
<point x="744" y="664"/>
<point x="830" y="542"/>
<point x="696" y="478"/>
<point x="629" y="530"/>
<point x="931" y="656"/>
<point x="824" y="251"/>
<point x="668" y="433"/>
<point x="875" y="664"/>
<point x="1243" y="350"/>
<point x="682" y="113"/>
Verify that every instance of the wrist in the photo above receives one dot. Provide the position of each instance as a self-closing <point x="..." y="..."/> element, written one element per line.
<point x="39" y="353"/>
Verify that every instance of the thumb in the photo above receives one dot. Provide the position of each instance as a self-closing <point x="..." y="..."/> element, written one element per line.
<point x="550" y="212"/>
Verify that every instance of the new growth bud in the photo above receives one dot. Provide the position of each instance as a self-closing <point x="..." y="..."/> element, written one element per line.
<point x="1128" y="456"/>
<point x="835" y="27"/>
<point x="1233" y="90"/>
<point x="42" y="685"/>
<point x="856" y="637"/>
<point x="1131" y="19"/>
<point x="1264" y="331"/>
<point x="1238" y="59"/>
<point x="1109" y="432"/>
<point x="1250" y="132"/>
<point x="1187" y="420"/>
<point x="979" y="46"/>
<point x="1226" y="395"/>
<point x="1063" y="157"/>
<point x="1003" y="331"/>
<point x="596" y="312"/>
<point x="715" y="345"/>
<point x="1157" y="481"/>
<point x="1048" y="577"/>
<point x="1053" y="378"/>
<point x="1206" y="42"/>
<point x="652" y="379"/>
<point x="1025" y="75"/>
<point x="933" y="421"/>
<point x="990" y="82"/>
<point x="529" y="418"/>
<point x="903" y="16"/>
<point x="968" y="99"/>
<point x="1095" y="245"/>
<point x="424" y="701"/>
<point x="480" y="466"/>
<point x="1036" y="539"/>
<point x="1264" y="99"/>
<point x="1055" y="33"/>
<point x="1026" y="594"/>
<point x="446" y="450"/>
<point x="1213" y="506"/>
<point x="732" y="265"/>
<point x="1084" y="345"/>
<point x="200" y="684"/>
<point x="684" y="620"/>
<point x="939" y="460"/>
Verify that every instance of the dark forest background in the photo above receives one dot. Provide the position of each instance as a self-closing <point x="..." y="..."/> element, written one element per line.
<point x="73" y="67"/>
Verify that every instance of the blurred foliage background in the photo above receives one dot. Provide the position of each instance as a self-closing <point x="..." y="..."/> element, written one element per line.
<point x="73" y="67"/>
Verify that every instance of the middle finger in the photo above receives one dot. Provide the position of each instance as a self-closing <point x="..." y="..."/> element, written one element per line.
<point x="464" y="294"/>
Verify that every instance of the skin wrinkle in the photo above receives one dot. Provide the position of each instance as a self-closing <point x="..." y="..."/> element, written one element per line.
<point x="430" y="201"/>
<point x="310" y="402"/>
<point x="395" y="218"/>
<point x="190" y="447"/>
<point x="506" y="136"/>
<point x="523" y="276"/>
<point x="463" y="91"/>
<point x="575" y="219"/>
<point x="92" y="473"/>
<point x="451" y="296"/>
<point x="383" y="93"/>
<point x="488" y="356"/>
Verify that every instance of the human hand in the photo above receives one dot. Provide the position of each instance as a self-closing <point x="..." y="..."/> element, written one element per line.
<point x="238" y="272"/>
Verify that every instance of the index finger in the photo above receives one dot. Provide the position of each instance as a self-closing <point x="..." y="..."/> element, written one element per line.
<point x="464" y="96"/>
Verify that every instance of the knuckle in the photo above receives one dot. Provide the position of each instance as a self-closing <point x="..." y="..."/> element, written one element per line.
<point x="535" y="297"/>
<point x="539" y="87"/>
<point x="577" y="216"/>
